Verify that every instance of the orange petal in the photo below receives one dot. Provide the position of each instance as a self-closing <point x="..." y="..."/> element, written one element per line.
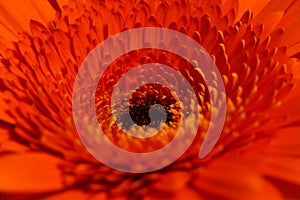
<point x="70" y="194"/>
<point x="6" y="144"/>
<point x="4" y="105"/>
<point x="282" y="156"/>
<point x="231" y="179"/>
<point x="270" y="13"/>
<point x="58" y="4"/>
<point x="15" y="17"/>
<point x="187" y="193"/>
<point x="182" y="193"/>
<point x="286" y="142"/>
<point x="254" y="6"/>
<point x="282" y="167"/>
<point x="290" y="22"/>
<point x="61" y="3"/>
<point x="290" y="191"/>
<point x="29" y="172"/>
<point x="172" y="181"/>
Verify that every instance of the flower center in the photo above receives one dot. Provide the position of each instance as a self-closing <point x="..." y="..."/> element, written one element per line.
<point x="149" y="106"/>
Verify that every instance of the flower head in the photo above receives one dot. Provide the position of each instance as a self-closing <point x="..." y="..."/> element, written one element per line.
<point x="255" y="46"/>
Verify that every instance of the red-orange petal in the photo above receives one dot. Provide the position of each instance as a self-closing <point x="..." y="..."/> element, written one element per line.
<point x="29" y="172"/>
<point x="289" y="21"/>
<point x="15" y="17"/>
<point x="230" y="178"/>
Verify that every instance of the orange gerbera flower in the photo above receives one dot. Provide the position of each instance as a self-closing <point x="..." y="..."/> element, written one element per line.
<point x="255" y="45"/>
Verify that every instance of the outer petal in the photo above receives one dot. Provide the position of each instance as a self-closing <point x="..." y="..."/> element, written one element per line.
<point x="75" y="195"/>
<point x="15" y="16"/>
<point x="30" y="172"/>
<point x="291" y="24"/>
<point x="275" y="14"/>
<point x="282" y="156"/>
<point x="230" y="178"/>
